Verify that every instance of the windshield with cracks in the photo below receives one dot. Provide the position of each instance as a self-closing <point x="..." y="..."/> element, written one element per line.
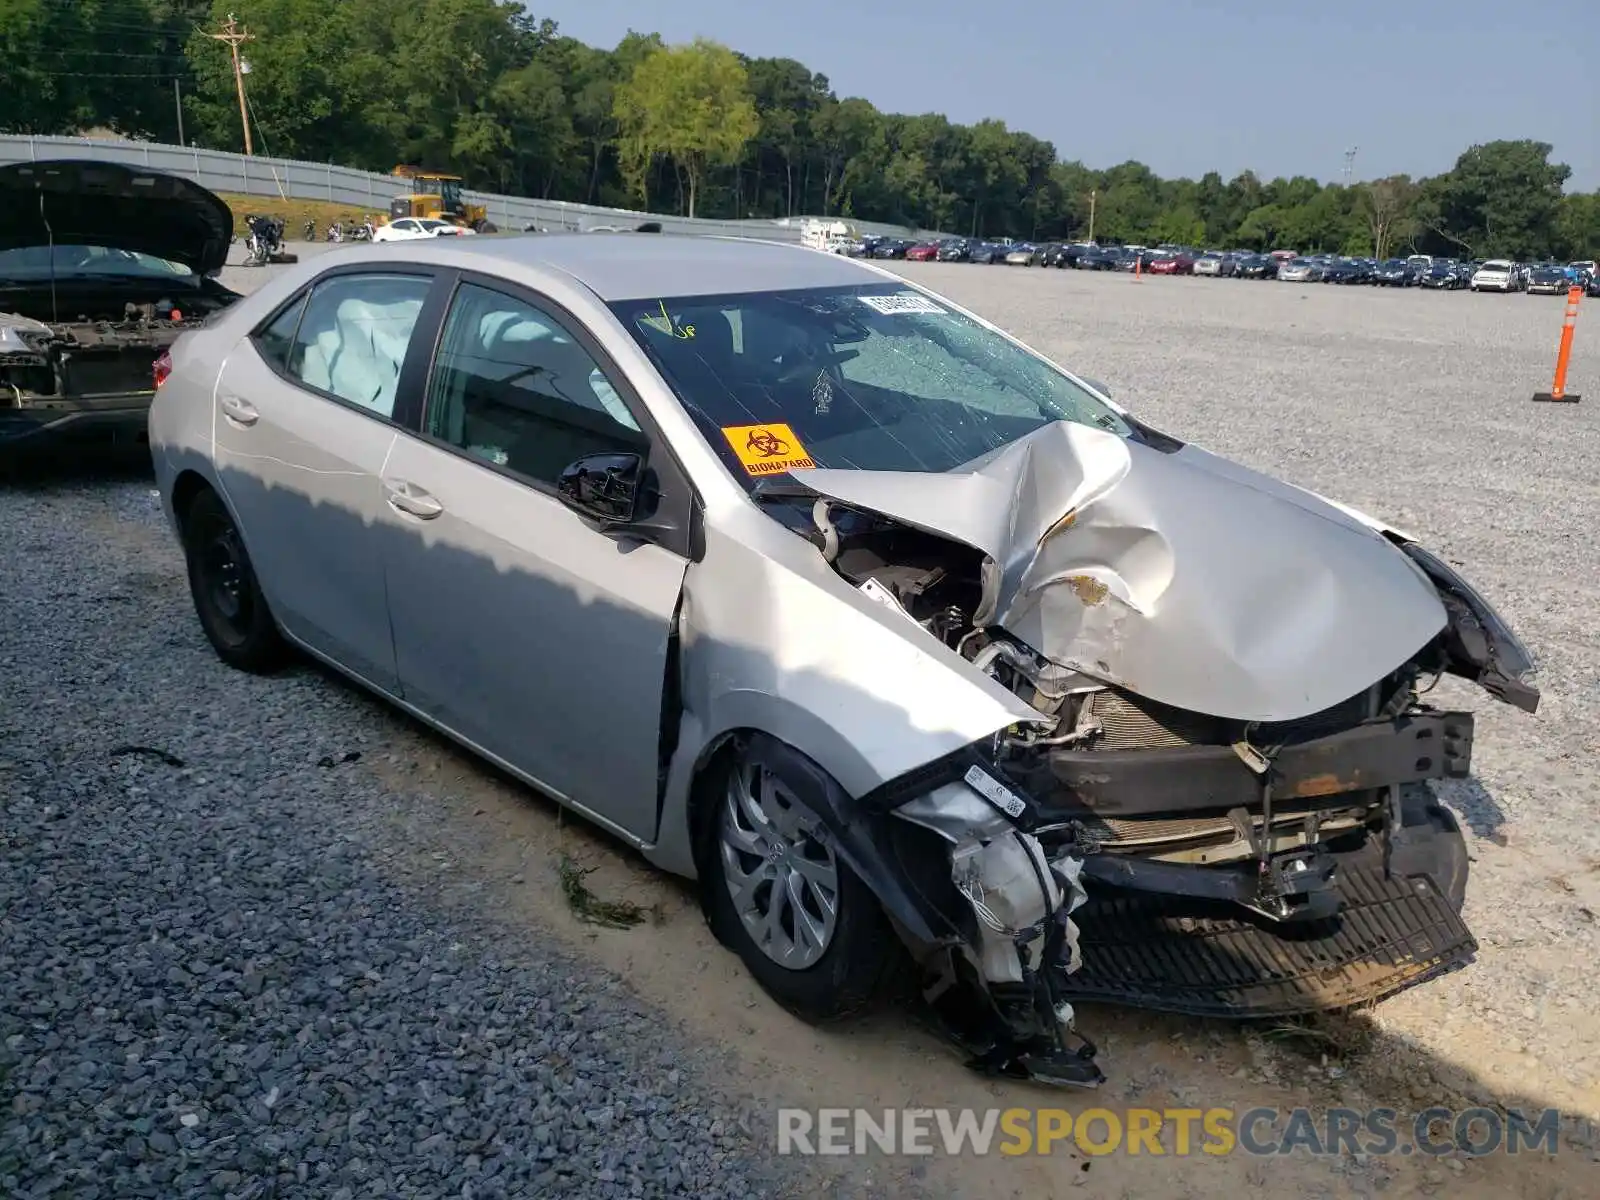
<point x="875" y="377"/>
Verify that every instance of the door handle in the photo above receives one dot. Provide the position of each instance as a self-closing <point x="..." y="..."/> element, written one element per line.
<point x="238" y="410"/>
<point x="409" y="498"/>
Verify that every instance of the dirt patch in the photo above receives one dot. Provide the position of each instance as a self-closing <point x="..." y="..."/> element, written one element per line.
<point x="295" y="213"/>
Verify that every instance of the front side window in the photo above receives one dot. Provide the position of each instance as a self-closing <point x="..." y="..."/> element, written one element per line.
<point x="276" y="339"/>
<point x="872" y="377"/>
<point x="353" y="337"/>
<point x="511" y="386"/>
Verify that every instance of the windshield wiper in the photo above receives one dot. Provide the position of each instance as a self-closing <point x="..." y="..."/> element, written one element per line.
<point x="783" y="489"/>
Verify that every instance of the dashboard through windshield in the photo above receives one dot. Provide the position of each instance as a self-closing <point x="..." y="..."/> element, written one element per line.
<point x="876" y="377"/>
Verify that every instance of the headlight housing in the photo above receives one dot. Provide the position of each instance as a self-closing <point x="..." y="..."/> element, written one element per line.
<point x="1480" y="645"/>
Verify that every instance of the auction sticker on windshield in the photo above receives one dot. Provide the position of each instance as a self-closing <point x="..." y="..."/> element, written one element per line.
<point x="902" y="302"/>
<point x="767" y="449"/>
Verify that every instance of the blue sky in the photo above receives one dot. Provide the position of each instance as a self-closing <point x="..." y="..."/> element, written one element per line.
<point x="1280" y="86"/>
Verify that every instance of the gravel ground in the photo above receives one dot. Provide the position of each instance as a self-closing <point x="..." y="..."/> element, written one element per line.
<point x="308" y="955"/>
<point x="215" y="981"/>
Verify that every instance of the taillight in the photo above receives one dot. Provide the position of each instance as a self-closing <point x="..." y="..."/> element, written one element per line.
<point x="163" y="367"/>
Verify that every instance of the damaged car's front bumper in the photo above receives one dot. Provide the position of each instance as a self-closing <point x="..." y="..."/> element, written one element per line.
<point x="1169" y="860"/>
<point x="1328" y="879"/>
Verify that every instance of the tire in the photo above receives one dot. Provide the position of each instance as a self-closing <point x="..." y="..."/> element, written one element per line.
<point x="844" y="972"/>
<point x="227" y="597"/>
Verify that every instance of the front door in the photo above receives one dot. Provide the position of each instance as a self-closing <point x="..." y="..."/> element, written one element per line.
<point x="304" y="422"/>
<point x="519" y="625"/>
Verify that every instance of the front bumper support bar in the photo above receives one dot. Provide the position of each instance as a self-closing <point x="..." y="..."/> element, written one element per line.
<point x="1111" y="783"/>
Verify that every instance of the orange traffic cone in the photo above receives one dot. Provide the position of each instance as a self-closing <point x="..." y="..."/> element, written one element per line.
<point x="1558" y="390"/>
<point x="1138" y="264"/>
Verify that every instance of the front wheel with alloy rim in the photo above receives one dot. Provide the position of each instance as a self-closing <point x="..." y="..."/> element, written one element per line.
<point x="227" y="598"/>
<point x="779" y="894"/>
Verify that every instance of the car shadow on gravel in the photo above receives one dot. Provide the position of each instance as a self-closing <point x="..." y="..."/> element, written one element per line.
<point x="498" y="829"/>
<point x="74" y="463"/>
<point x="1472" y="802"/>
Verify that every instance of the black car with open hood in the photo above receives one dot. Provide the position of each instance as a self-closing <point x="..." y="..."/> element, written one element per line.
<point x="102" y="266"/>
<point x="75" y="202"/>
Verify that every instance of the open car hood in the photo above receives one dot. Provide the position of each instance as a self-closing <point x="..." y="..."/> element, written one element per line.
<point x="88" y="203"/>
<point x="1180" y="576"/>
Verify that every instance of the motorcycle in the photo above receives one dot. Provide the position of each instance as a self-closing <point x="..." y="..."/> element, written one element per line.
<point x="336" y="232"/>
<point x="311" y="231"/>
<point x="362" y="232"/>
<point x="265" y="243"/>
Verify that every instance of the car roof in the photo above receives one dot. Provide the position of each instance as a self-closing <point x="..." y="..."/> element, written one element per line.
<point x="633" y="266"/>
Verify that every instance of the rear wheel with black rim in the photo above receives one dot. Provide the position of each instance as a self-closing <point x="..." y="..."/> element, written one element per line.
<point x="227" y="597"/>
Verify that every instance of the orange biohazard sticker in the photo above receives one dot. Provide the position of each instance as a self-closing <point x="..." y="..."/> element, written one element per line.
<point x="767" y="449"/>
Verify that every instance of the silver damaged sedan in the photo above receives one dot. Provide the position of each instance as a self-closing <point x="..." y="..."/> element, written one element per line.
<point x="929" y="660"/>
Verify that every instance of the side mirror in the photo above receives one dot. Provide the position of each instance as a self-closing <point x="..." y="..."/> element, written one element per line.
<point x="603" y="486"/>
<point x="1096" y="385"/>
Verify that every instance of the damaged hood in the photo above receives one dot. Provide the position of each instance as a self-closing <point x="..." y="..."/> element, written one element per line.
<point x="74" y="202"/>
<point x="1180" y="576"/>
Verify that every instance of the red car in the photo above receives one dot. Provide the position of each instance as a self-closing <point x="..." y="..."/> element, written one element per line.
<point x="1172" y="264"/>
<point x="923" y="252"/>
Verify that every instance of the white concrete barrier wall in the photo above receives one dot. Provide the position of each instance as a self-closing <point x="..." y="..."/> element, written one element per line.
<point x="222" y="171"/>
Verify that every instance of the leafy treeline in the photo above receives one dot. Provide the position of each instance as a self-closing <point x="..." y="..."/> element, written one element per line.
<point x="485" y="89"/>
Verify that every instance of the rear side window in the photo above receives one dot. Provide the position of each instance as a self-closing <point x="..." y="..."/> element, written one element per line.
<point x="352" y="339"/>
<point x="275" y="340"/>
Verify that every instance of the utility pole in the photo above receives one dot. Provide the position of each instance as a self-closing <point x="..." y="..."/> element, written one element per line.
<point x="1092" y="192"/>
<point x="1350" y="165"/>
<point x="177" y="100"/>
<point x="235" y="36"/>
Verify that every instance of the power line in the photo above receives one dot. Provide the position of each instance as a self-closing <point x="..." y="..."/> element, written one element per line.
<point x="32" y="74"/>
<point x="174" y="55"/>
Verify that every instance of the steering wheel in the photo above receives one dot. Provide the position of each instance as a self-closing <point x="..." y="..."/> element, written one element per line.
<point x="805" y="365"/>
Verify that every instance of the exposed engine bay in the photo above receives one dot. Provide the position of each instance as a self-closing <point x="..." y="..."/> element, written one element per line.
<point x="1125" y="850"/>
<point x="104" y="348"/>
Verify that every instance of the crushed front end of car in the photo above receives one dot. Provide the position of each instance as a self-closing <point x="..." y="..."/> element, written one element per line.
<point x="1223" y="807"/>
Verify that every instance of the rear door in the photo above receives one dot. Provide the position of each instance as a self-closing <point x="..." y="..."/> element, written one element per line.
<point x="520" y="625"/>
<point x="307" y="410"/>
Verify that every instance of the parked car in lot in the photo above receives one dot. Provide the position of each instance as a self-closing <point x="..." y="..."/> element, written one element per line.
<point x="1547" y="279"/>
<point x="1216" y="265"/>
<point x="891" y="247"/>
<point x="1020" y="254"/>
<point x="1257" y="266"/>
<point x="1100" y="258"/>
<point x="986" y="252"/>
<point x="408" y="229"/>
<point x="955" y="250"/>
<point x="1171" y="264"/>
<point x="1396" y="272"/>
<point x="666" y="528"/>
<point x="102" y="267"/>
<point x="1442" y="276"/>
<point x="1300" y="270"/>
<point x="922" y="252"/>
<point x="1496" y="275"/>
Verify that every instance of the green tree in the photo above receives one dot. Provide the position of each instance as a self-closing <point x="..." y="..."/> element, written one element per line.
<point x="1501" y="199"/>
<point x="489" y="90"/>
<point x="1388" y="208"/>
<point x="1578" y="227"/>
<point x="691" y="103"/>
